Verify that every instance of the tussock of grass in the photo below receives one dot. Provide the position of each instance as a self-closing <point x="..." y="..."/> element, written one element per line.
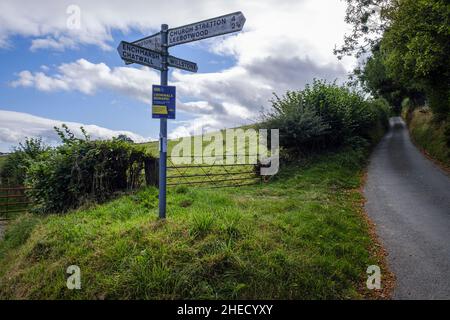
<point x="298" y="237"/>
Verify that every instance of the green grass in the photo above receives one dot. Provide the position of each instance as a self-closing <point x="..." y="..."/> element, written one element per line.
<point x="217" y="173"/>
<point x="301" y="236"/>
<point x="2" y="160"/>
<point x="207" y="138"/>
<point x="429" y="135"/>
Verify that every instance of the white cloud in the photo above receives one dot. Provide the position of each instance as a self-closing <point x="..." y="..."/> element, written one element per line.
<point x="284" y="45"/>
<point x="50" y="43"/>
<point x="16" y="126"/>
<point x="205" y="123"/>
<point x="281" y="27"/>
<point x="195" y="107"/>
<point x="47" y="19"/>
<point x="228" y="98"/>
<point x="88" y="78"/>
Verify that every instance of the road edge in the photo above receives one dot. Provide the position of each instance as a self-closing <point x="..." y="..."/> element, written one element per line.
<point x="377" y="251"/>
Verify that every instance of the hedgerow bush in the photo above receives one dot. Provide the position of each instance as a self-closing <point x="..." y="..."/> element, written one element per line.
<point x="15" y="167"/>
<point x="324" y="115"/>
<point x="80" y="171"/>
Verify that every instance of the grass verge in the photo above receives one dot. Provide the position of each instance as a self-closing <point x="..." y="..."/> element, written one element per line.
<point x="429" y="136"/>
<point x="301" y="236"/>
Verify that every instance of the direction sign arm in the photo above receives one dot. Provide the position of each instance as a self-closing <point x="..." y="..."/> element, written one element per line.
<point x="228" y="23"/>
<point x="140" y="55"/>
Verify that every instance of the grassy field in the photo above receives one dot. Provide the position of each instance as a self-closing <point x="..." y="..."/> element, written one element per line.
<point x="207" y="138"/>
<point x="216" y="175"/>
<point x="2" y="159"/>
<point x="429" y="136"/>
<point x="301" y="236"/>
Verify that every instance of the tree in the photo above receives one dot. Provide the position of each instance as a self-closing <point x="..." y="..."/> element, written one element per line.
<point x="124" y="138"/>
<point x="416" y="47"/>
<point x="369" y="19"/>
<point x="410" y="49"/>
<point x="375" y="79"/>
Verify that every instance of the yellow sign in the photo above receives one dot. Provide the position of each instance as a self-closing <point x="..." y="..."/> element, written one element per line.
<point x="159" y="110"/>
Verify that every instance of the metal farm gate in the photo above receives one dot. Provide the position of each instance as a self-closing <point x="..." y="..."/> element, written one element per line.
<point x="215" y="173"/>
<point x="13" y="200"/>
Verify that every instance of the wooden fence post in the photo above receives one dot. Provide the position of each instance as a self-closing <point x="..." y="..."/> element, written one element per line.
<point x="151" y="171"/>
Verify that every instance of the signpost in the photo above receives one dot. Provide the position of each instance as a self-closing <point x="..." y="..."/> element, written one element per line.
<point x="135" y="54"/>
<point x="153" y="42"/>
<point x="206" y="29"/>
<point x="153" y="52"/>
<point x="182" y="64"/>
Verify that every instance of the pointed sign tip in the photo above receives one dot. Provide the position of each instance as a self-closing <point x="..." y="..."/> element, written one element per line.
<point x="120" y="48"/>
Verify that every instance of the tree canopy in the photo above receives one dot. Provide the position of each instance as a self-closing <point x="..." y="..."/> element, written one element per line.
<point x="409" y="48"/>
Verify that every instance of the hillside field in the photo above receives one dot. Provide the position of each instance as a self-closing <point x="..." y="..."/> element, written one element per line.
<point x="300" y="236"/>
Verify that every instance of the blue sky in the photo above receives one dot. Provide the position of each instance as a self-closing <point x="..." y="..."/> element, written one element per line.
<point x="49" y="73"/>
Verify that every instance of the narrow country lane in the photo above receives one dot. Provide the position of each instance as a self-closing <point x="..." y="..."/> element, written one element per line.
<point x="408" y="197"/>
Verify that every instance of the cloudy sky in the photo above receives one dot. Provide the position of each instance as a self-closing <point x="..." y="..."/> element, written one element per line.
<point x="53" y="73"/>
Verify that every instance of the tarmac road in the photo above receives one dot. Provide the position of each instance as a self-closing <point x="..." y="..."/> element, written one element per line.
<point x="408" y="198"/>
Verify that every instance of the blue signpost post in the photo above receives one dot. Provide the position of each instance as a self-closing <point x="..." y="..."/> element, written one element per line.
<point x="163" y="129"/>
<point x="163" y="108"/>
<point x="153" y="51"/>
